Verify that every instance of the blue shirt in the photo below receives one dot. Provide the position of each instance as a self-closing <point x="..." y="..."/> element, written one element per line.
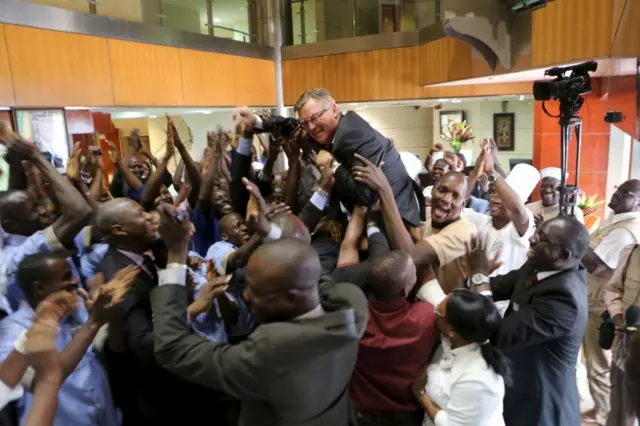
<point x="16" y="248"/>
<point x="206" y="232"/>
<point x="84" y="398"/>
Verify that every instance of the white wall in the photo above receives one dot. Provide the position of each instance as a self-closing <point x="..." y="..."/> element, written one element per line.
<point x="411" y="129"/>
<point x="480" y="115"/>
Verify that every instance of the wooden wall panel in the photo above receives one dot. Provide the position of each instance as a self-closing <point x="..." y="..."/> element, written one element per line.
<point x="299" y="75"/>
<point x="398" y="72"/>
<point x="6" y="82"/>
<point x="254" y="82"/>
<point x="207" y="78"/>
<point x="145" y="74"/>
<point x="571" y="30"/>
<point x="445" y="59"/>
<point x="625" y="37"/>
<point x="351" y="76"/>
<point x="471" y="90"/>
<point x="52" y="68"/>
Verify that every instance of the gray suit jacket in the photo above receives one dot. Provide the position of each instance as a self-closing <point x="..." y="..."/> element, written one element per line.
<point x="285" y="373"/>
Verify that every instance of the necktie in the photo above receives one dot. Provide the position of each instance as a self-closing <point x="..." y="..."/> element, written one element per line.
<point x="533" y="279"/>
<point x="150" y="267"/>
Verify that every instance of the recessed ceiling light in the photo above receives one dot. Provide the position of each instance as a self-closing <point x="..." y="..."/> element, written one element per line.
<point x="75" y="108"/>
<point x="522" y="97"/>
<point x="353" y="104"/>
<point x="443" y="100"/>
<point x="206" y="112"/>
<point x="4" y="108"/>
<point x="455" y="101"/>
<point x="153" y="116"/>
<point x="217" y="20"/>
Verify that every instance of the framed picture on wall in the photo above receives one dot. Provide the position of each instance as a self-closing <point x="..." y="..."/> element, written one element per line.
<point x="47" y="128"/>
<point x="504" y="130"/>
<point x="447" y="116"/>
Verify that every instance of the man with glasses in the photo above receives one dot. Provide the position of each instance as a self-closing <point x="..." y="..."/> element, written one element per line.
<point x="602" y="259"/>
<point x="337" y="138"/>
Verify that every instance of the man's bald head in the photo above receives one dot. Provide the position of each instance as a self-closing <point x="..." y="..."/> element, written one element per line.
<point x="292" y="227"/>
<point x="626" y="198"/>
<point x="392" y="275"/>
<point x="123" y="218"/>
<point x="19" y="213"/>
<point x="282" y="279"/>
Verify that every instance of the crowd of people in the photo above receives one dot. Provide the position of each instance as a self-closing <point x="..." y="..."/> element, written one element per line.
<point x="360" y="286"/>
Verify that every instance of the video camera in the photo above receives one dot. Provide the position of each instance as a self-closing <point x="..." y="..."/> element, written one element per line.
<point x="569" y="87"/>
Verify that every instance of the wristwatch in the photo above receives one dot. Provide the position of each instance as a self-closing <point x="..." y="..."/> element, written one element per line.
<point x="479" y="279"/>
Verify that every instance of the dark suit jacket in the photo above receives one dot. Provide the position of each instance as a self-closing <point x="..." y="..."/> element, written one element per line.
<point x="541" y="335"/>
<point x="356" y="136"/>
<point x="145" y="392"/>
<point x="285" y="373"/>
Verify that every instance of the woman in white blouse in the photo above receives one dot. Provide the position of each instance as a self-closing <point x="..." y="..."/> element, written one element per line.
<point x="465" y="387"/>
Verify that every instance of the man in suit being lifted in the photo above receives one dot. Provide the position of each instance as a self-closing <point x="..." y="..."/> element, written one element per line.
<point x="337" y="138"/>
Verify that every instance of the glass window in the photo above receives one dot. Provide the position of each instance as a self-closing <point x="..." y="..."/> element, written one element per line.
<point x="78" y="5"/>
<point x="310" y="21"/>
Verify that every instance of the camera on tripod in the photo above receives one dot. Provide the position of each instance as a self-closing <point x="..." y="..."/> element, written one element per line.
<point x="569" y="87"/>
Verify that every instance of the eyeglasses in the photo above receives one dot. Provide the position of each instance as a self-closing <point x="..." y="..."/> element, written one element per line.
<point x="313" y="118"/>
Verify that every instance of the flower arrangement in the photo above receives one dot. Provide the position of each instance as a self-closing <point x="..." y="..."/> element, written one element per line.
<point x="589" y="207"/>
<point x="457" y="133"/>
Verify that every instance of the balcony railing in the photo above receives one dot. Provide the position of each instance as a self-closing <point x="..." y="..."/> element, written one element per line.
<point x="232" y="19"/>
<point x="311" y="21"/>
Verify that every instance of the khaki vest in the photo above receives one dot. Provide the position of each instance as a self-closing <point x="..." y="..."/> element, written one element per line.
<point x="597" y="283"/>
<point x="630" y="296"/>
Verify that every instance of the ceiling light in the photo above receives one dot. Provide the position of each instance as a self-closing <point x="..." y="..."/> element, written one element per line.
<point x="353" y="104"/>
<point x="75" y="108"/>
<point x="4" y="108"/>
<point x="443" y="100"/>
<point x="522" y="97"/>
<point x="217" y="20"/>
<point x="206" y="112"/>
<point x="455" y="101"/>
<point x="153" y="116"/>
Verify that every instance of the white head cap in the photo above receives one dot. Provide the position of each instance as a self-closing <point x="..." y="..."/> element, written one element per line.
<point x="552" y="172"/>
<point x="523" y="178"/>
<point x="412" y="163"/>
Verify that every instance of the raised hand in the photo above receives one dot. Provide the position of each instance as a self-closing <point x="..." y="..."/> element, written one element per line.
<point x="257" y="216"/>
<point x="73" y="169"/>
<point x="323" y="159"/>
<point x="369" y="174"/>
<point x="274" y="210"/>
<point x="15" y="142"/>
<point x="114" y="155"/>
<point x="478" y="262"/>
<point x="538" y="219"/>
<point x="56" y="306"/>
<point x="175" y="228"/>
<point x="106" y="297"/>
<point x="245" y="116"/>
<point x="213" y="289"/>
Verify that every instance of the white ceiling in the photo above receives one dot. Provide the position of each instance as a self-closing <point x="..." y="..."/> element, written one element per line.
<point x="606" y="67"/>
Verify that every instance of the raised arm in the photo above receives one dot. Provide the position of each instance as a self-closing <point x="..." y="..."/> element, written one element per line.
<point x="240" y="371"/>
<point x="520" y="215"/>
<point x="74" y="210"/>
<point x="195" y="179"/>
<point x="155" y="181"/>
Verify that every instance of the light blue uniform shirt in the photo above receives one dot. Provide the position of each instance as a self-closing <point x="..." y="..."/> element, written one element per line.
<point x="84" y="398"/>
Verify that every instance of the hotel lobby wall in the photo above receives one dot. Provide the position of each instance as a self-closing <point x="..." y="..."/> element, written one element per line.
<point x="480" y="115"/>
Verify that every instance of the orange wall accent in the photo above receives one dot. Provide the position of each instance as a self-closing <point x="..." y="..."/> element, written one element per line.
<point x="299" y="75"/>
<point x="595" y="133"/>
<point x="6" y="82"/>
<point x="445" y="59"/>
<point x="145" y="74"/>
<point x="571" y="30"/>
<point x="50" y="68"/>
<point x="377" y="75"/>
<point x="626" y="31"/>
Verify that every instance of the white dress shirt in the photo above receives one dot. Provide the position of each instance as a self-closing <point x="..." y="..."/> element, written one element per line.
<point x="467" y="390"/>
<point x="610" y="247"/>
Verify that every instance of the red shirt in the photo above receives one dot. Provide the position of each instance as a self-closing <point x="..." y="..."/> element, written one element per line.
<point x="395" y="348"/>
